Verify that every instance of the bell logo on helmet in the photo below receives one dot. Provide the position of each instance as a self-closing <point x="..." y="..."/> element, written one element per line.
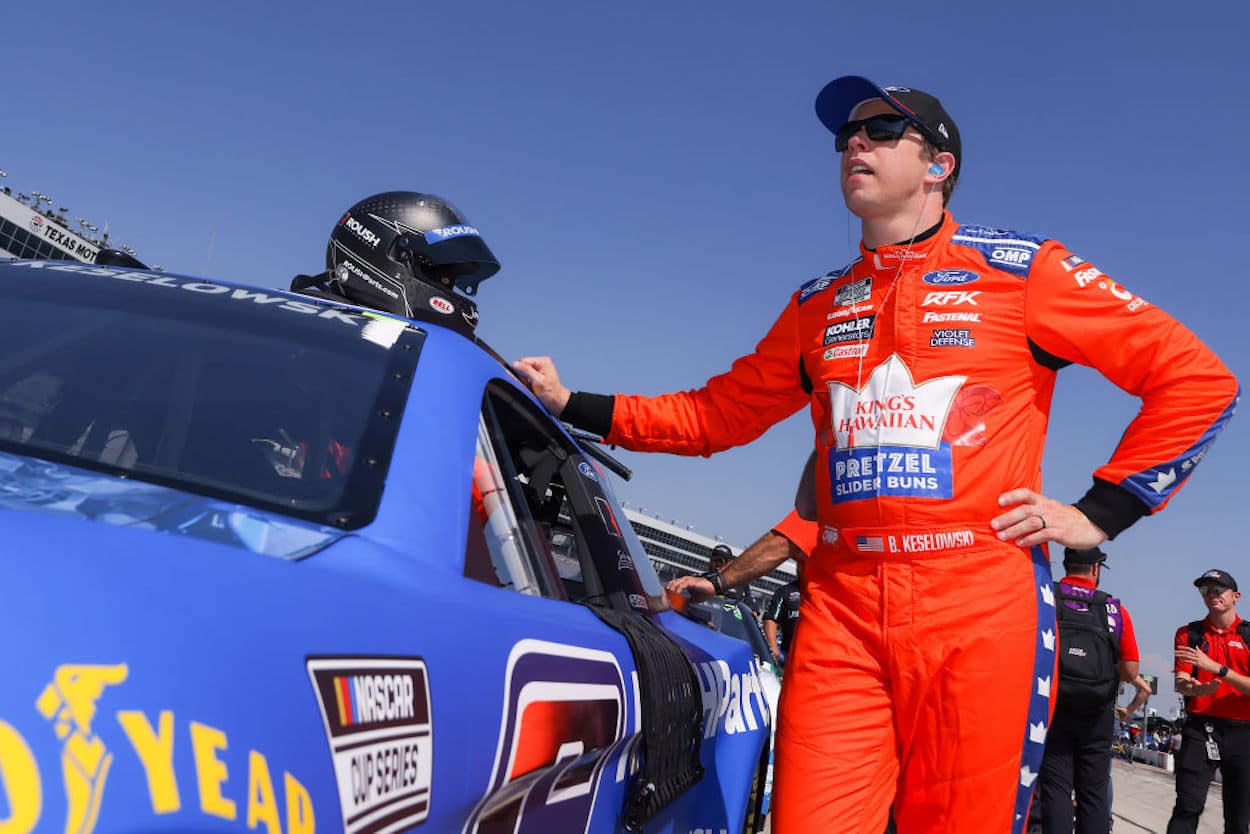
<point x="442" y="305"/>
<point x="359" y="229"/>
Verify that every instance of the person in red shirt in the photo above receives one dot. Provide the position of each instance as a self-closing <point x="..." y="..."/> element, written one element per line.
<point x="1213" y="673"/>
<point x="1098" y="650"/>
<point x="928" y="364"/>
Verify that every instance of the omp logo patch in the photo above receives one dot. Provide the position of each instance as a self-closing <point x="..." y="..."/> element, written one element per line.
<point x="376" y="712"/>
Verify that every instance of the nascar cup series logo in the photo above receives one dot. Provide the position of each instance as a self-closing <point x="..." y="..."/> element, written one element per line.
<point x="889" y="436"/>
<point x="376" y="712"/>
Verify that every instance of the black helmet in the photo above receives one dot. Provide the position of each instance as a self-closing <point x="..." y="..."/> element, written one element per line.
<point x="404" y="252"/>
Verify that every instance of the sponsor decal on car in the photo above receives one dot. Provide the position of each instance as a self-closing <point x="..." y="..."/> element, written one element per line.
<point x="241" y="294"/>
<point x="92" y="743"/>
<point x="609" y="518"/>
<point x="564" y="718"/>
<point x="376" y="713"/>
<point x="587" y="471"/>
<point x="732" y="703"/>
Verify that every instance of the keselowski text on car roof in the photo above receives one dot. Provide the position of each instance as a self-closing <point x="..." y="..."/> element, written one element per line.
<point x="275" y="562"/>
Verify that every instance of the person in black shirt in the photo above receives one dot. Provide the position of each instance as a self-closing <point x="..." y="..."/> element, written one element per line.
<point x="781" y="617"/>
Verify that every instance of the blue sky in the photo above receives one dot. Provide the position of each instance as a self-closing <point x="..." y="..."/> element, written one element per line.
<point x="655" y="183"/>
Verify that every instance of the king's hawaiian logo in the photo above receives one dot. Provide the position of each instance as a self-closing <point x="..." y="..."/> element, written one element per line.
<point x="890" y="435"/>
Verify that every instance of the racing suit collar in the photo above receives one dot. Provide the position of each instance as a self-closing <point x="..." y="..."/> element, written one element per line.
<point x="1082" y="581"/>
<point x="914" y="250"/>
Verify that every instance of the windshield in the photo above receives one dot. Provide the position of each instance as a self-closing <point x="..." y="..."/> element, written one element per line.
<point x="230" y="392"/>
<point x="736" y="620"/>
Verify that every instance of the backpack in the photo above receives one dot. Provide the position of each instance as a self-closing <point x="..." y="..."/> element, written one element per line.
<point x="1089" y="650"/>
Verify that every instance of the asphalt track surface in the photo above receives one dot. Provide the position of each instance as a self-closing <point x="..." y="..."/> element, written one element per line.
<point x="1144" y="795"/>
<point x="1143" y="801"/>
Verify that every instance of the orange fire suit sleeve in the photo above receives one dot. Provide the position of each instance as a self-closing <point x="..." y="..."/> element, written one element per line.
<point x="1075" y="313"/>
<point x="800" y="532"/>
<point x="731" y="409"/>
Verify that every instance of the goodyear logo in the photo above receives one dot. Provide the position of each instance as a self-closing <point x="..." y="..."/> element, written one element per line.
<point x="93" y="743"/>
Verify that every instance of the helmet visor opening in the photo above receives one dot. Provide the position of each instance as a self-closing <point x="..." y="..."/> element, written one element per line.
<point x="461" y="255"/>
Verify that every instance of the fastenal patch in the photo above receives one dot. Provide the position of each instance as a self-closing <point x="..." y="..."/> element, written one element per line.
<point x="376" y="712"/>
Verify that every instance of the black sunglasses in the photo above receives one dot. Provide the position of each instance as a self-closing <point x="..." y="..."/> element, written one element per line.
<point x="881" y="128"/>
<point x="1212" y="590"/>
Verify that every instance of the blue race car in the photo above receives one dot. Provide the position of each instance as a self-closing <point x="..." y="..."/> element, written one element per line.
<point x="273" y="563"/>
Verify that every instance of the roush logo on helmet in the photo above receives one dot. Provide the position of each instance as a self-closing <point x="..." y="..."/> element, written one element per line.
<point x="360" y="231"/>
<point x="446" y="232"/>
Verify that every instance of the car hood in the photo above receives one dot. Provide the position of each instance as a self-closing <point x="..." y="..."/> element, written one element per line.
<point x="32" y="489"/>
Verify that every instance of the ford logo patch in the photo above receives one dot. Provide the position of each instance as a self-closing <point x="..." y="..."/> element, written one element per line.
<point x="950" y="277"/>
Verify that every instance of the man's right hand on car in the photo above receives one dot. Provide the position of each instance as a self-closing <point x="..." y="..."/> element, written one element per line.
<point x="540" y="374"/>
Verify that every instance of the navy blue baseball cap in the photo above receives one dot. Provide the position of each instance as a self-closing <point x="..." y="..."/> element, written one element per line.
<point x="1218" y="577"/>
<point x="841" y="96"/>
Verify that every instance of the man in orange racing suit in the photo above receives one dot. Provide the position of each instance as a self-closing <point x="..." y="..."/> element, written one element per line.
<point x="928" y="364"/>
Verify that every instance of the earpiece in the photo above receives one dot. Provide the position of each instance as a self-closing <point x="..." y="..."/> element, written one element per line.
<point x="936" y="170"/>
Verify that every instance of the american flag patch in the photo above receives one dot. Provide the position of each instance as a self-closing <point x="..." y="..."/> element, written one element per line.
<point x="1071" y="263"/>
<point x="869" y="544"/>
